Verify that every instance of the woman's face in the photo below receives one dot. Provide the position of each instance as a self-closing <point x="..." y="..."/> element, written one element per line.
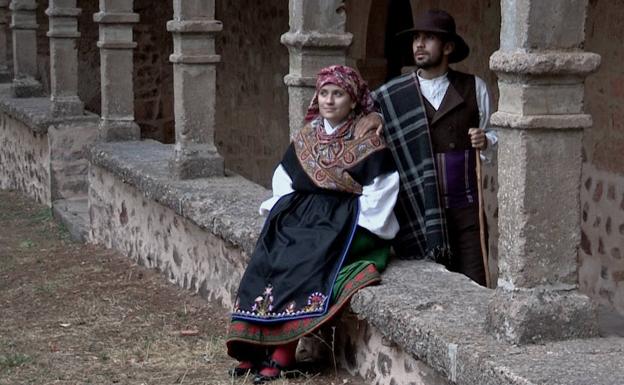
<point x="335" y="104"/>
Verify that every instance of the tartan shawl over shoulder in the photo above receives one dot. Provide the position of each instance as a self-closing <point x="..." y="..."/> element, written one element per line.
<point x="423" y="232"/>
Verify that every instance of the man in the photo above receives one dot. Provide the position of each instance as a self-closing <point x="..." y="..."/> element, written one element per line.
<point x="433" y="121"/>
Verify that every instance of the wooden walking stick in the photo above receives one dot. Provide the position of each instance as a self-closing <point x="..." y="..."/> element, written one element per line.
<point x="484" y="248"/>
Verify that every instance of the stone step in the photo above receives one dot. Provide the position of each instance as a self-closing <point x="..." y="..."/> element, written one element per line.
<point x="74" y="215"/>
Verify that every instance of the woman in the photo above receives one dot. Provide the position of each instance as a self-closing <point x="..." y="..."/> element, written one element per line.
<point x="327" y="231"/>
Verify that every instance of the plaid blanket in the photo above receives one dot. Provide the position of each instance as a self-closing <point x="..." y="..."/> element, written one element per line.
<point x="423" y="232"/>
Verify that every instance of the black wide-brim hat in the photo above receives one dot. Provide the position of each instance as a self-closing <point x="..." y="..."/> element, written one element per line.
<point x="438" y="21"/>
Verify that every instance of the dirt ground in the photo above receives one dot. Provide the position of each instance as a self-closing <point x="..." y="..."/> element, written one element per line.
<point x="78" y="314"/>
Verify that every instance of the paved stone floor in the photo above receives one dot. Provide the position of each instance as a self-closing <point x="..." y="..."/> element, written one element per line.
<point x="78" y="314"/>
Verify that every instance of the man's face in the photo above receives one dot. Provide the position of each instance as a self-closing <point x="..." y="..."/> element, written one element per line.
<point x="429" y="50"/>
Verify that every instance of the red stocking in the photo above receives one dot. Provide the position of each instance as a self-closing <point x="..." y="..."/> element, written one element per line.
<point x="284" y="356"/>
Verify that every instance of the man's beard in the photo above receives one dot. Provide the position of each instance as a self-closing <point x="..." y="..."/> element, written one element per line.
<point x="431" y="61"/>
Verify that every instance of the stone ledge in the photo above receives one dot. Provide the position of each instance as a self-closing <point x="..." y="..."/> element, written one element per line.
<point x="35" y="112"/>
<point x="433" y="315"/>
<point x="442" y="323"/>
<point x="225" y="206"/>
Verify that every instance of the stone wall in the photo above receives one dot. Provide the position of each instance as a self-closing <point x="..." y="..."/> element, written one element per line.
<point x="365" y="352"/>
<point x="601" y="257"/>
<point x="155" y="236"/>
<point x="602" y="195"/>
<point x="252" y="100"/>
<point x="25" y="160"/>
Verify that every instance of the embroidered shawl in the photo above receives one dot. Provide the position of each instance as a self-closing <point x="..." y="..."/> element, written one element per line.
<point x="423" y="232"/>
<point x="326" y="158"/>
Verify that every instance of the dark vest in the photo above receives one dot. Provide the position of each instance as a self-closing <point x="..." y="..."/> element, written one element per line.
<point x="458" y="112"/>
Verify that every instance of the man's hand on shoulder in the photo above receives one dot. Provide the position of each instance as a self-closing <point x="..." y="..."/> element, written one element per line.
<point x="370" y="122"/>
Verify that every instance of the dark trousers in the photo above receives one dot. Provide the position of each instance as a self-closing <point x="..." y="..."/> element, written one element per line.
<point x="463" y="228"/>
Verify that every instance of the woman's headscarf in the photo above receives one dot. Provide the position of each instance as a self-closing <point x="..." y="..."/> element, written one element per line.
<point x="347" y="79"/>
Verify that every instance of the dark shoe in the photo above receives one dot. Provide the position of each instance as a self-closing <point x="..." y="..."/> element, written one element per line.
<point x="243" y="369"/>
<point x="281" y="372"/>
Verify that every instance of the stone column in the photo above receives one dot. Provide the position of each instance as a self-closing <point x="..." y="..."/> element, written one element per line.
<point x="24" y="26"/>
<point x="541" y="68"/>
<point x="116" y="67"/>
<point x="316" y="39"/>
<point x="5" y="73"/>
<point x="194" y="83"/>
<point x="63" y="34"/>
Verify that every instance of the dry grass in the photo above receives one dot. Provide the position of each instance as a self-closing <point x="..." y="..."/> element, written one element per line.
<point x="78" y="314"/>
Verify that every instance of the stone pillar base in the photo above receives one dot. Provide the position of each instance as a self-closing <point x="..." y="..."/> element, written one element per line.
<point x="6" y="76"/>
<point x="71" y="106"/>
<point x="27" y="88"/>
<point x="191" y="164"/>
<point x="536" y="315"/>
<point x="118" y="130"/>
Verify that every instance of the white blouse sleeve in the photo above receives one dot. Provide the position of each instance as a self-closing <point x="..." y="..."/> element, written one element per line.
<point x="377" y="206"/>
<point x="484" y="105"/>
<point x="282" y="185"/>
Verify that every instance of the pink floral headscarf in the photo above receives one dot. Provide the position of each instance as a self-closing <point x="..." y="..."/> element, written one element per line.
<point x="347" y="79"/>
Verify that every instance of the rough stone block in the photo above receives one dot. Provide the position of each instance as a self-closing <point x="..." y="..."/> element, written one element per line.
<point x="27" y="88"/>
<point x="203" y="165"/>
<point x="538" y="315"/>
<point x="538" y="207"/>
<point x="523" y="99"/>
<point x="118" y="130"/>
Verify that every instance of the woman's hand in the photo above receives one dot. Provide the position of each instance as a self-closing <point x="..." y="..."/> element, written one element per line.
<point x="369" y="123"/>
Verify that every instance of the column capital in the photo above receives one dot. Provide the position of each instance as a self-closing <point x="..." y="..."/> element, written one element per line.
<point x="299" y="81"/>
<point x="315" y="39"/>
<point x="178" y="58"/>
<point x="104" y="17"/>
<point x="194" y="26"/>
<point x="116" y="44"/>
<point x="54" y="11"/>
<point x="519" y="62"/>
<point x="23" y="6"/>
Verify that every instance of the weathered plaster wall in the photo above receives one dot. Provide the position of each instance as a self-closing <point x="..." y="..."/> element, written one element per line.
<point x="25" y="160"/>
<point x="252" y="100"/>
<point x="154" y="236"/>
<point x="364" y="351"/>
<point x="602" y="195"/>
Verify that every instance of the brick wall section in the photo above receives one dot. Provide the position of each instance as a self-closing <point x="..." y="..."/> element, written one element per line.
<point x="252" y="100"/>
<point x="601" y="256"/>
